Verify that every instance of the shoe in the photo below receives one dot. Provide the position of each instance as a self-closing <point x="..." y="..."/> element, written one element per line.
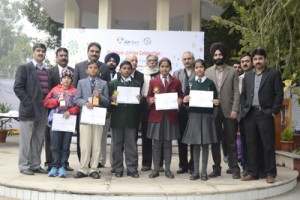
<point x="100" y="165"/>
<point x="113" y="171"/>
<point x="204" y="177"/>
<point x="169" y="174"/>
<point x="182" y="171"/>
<point x="225" y="159"/>
<point x="68" y="168"/>
<point x="119" y="174"/>
<point x="270" y="179"/>
<point x="194" y="177"/>
<point x="214" y="174"/>
<point x="154" y="174"/>
<point x="62" y="172"/>
<point x="229" y="171"/>
<point x="236" y="175"/>
<point x="94" y="175"/>
<point x="27" y="172"/>
<point x="79" y="175"/>
<point x="161" y="169"/>
<point x="133" y="174"/>
<point x="47" y="168"/>
<point x="40" y="171"/>
<point x="145" y="168"/>
<point x="53" y="172"/>
<point x="248" y="178"/>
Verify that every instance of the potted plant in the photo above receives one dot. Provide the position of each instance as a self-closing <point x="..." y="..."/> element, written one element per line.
<point x="287" y="143"/>
<point x="4" y="108"/>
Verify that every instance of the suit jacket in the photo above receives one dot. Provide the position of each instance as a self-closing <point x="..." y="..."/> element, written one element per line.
<point x="55" y="76"/>
<point x="27" y="88"/>
<point x="181" y="75"/>
<point x="123" y="115"/>
<point x="174" y="85"/>
<point x="80" y="72"/>
<point x="84" y="91"/>
<point x="270" y="93"/>
<point x="229" y="95"/>
<point x="139" y="77"/>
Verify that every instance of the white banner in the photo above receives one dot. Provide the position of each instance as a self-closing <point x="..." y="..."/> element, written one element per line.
<point x="171" y="44"/>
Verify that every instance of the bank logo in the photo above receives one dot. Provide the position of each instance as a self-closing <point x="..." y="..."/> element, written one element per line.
<point x="127" y="42"/>
<point x="147" y="41"/>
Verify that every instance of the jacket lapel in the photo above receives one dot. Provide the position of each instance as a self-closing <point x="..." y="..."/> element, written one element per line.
<point x="264" y="77"/>
<point x="225" y="74"/>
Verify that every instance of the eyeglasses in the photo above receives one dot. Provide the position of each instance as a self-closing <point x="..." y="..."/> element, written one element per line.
<point x="151" y="60"/>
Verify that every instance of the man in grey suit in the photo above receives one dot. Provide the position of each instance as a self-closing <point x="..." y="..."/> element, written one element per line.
<point x="31" y="87"/>
<point x="185" y="75"/>
<point x="93" y="53"/>
<point x="62" y="59"/>
<point x="226" y="80"/>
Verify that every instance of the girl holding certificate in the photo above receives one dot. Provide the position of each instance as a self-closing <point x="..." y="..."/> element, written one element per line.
<point x="163" y="124"/>
<point x="201" y="129"/>
<point x="61" y="99"/>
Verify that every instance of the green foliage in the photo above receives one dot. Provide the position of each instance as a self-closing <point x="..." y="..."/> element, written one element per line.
<point x="5" y="107"/>
<point x="287" y="134"/>
<point x="272" y="25"/>
<point x="296" y="151"/>
<point x="40" y="19"/>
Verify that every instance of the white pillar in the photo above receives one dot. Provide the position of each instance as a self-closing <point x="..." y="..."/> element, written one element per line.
<point x="162" y="15"/>
<point x="104" y="16"/>
<point x="187" y="22"/>
<point x="196" y="15"/>
<point x="71" y="14"/>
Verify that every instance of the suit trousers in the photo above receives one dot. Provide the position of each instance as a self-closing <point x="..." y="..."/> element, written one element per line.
<point x="125" y="139"/>
<point x="48" y="155"/>
<point x="182" y="147"/>
<point x="90" y="147"/>
<point x="228" y="127"/>
<point x="32" y="135"/>
<point x="102" y="158"/>
<point x="260" y="127"/>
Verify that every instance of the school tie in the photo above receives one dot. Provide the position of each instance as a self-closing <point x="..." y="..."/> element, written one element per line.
<point x="92" y="84"/>
<point x="165" y="82"/>
<point x="199" y="80"/>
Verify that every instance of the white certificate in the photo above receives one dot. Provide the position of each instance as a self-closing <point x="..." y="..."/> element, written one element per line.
<point x="200" y="98"/>
<point x="128" y="95"/>
<point x="95" y="116"/>
<point x="166" y="101"/>
<point x="61" y="124"/>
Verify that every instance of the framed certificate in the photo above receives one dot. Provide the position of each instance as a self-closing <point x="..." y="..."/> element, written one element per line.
<point x="166" y="101"/>
<point x="95" y="116"/>
<point x="61" y="124"/>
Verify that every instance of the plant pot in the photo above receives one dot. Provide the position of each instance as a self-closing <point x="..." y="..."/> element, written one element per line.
<point x="296" y="139"/>
<point x="287" y="146"/>
<point x="3" y="134"/>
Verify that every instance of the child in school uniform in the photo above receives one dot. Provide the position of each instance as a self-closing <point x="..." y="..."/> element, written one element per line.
<point x="91" y="134"/>
<point x="61" y="99"/>
<point x="163" y="124"/>
<point x="124" y="118"/>
<point x="201" y="129"/>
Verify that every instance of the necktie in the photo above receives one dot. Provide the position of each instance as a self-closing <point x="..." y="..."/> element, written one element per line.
<point x="165" y="82"/>
<point x="92" y="84"/>
<point x="199" y="80"/>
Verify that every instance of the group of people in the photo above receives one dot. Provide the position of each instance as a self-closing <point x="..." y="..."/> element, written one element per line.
<point x="245" y="101"/>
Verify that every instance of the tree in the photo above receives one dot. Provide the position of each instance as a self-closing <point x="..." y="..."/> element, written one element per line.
<point x="40" y="19"/>
<point x="271" y="24"/>
<point x="14" y="45"/>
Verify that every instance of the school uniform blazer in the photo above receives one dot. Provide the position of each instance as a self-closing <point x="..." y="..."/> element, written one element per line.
<point x="270" y="93"/>
<point x="27" y="88"/>
<point x="80" y="72"/>
<point x="55" y="76"/>
<point x="84" y="91"/>
<point x="123" y="115"/>
<point x="229" y="96"/>
<point x="174" y="85"/>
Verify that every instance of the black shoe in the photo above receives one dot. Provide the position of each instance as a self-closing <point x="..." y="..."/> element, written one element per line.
<point x="68" y="168"/>
<point x="204" y="177"/>
<point x="169" y="174"/>
<point x="194" y="177"/>
<point x="27" y="172"/>
<point x="119" y="174"/>
<point x="214" y="174"/>
<point x="95" y="175"/>
<point x="112" y="171"/>
<point x="154" y="174"/>
<point x="40" y="171"/>
<point x="145" y="168"/>
<point x="236" y="175"/>
<point x="229" y="171"/>
<point x="133" y="174"/>
<point x="79" y="175"/>
<point x="182" y="171"/>
<point x="100" y="165"/>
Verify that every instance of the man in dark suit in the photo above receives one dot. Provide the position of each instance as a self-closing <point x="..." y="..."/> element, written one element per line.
<point x="261" y="100"/>
<point x="93" y="53"/>
<point x="227" y="82"/>
<point x="62" y="59"/>
<point x="31" y="87"/>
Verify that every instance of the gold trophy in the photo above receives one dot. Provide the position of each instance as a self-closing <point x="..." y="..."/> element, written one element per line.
<point x="96" y="97"/>
<point x="114" y="94"/>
